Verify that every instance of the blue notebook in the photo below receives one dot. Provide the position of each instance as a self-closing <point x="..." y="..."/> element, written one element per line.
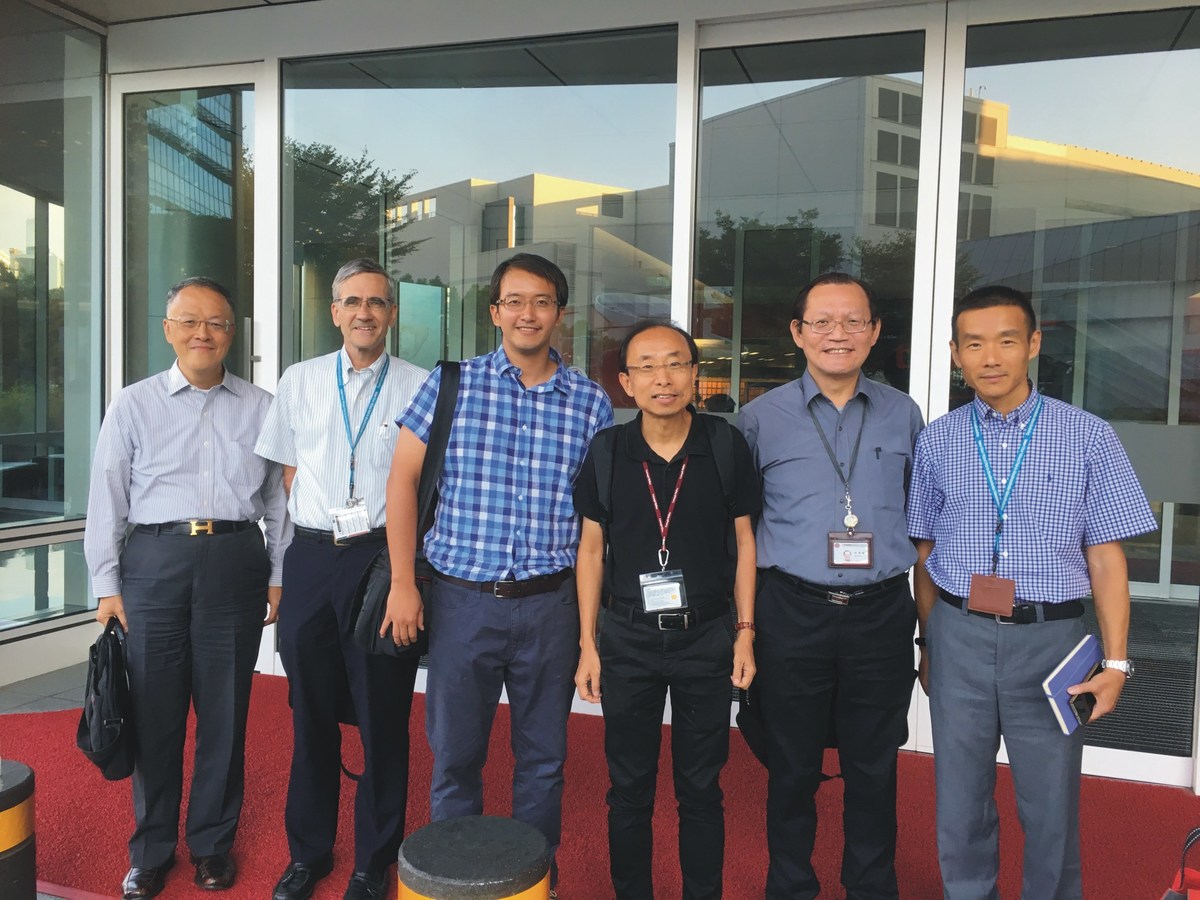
<point x="1077" y="667"/>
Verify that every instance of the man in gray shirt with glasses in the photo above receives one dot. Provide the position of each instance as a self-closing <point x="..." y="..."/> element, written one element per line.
<point x="176" y="555"/>
<point x="834" y="612"/>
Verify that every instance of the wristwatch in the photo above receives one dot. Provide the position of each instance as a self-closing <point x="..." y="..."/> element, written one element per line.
<point x="1121" y="665"/>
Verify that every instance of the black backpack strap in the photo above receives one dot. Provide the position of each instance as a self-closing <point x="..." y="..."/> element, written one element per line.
<point x="439" y="439"/>
<point x="720" y="438"/>
<point x="604" y="455"/>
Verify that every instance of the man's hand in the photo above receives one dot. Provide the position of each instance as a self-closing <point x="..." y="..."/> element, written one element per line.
<point x="1105" y="686"/>
<point x="587" y="676"/>
<point x="274" y="595"/>
<point x="743" y="659"/>
<point x="109" y="607"/>
<point x="405" y="614"/>
<point x="923" y="670"/>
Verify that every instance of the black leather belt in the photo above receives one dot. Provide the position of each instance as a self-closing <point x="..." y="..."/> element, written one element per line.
<point x="838" y="595"/>
<point x="512" y="590"/>
<point x="676" y="620"/>
<point x="1024" y="613"/>
<point x="316" y="535"/>
<point x="197" y="527"/>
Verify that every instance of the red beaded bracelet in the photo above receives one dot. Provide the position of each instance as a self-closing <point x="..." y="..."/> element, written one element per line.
<point x="743" y="625"/>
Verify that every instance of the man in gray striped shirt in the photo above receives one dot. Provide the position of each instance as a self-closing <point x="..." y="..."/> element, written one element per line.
<point x="332" y="427"/>
<point x="175" y="554"/>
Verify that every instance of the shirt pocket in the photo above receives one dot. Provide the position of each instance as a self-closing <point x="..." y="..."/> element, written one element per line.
<point x="891" y="470"/>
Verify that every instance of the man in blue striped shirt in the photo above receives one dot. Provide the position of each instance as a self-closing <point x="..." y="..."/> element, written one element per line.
<point x="175" y="555"/>
<point x="503" y="542"/>
<point x="1018" y="506"/>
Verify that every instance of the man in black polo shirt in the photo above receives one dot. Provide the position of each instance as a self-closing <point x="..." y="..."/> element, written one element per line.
<point x="666" y="491"/>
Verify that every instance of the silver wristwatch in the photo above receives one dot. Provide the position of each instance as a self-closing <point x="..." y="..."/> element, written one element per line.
<point x="1121" y="665"/>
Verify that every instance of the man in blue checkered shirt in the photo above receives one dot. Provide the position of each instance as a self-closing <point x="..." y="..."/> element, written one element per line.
<point x="503" y="543"/>
<point x="1005" y="562"/>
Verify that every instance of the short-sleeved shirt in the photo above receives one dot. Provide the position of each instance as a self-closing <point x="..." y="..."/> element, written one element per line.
<point x="305" y="428"/>
<point x="803" y="497"/>
<point x="504" y="496"/>
<point x="698" y="538"/>
<point x="1075" y="489"/>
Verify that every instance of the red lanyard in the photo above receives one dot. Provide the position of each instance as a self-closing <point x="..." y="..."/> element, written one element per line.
<point x="664" y="525"/>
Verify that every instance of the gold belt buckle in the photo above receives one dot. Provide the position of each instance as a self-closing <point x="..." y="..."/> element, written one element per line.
<point x="200" y="526"/>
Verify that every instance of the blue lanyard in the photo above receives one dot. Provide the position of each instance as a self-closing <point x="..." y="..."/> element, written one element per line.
<point x="341" y="382"/>
<point x="1000" y="501"/>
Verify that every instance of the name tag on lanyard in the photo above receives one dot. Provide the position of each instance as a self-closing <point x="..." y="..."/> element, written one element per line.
<point x="354" y="519"/>
<point x="663" y="590"/>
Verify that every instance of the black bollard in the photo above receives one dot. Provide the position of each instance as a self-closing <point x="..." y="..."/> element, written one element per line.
<point x="475" y="858"/>
<point x="18" y="852"/>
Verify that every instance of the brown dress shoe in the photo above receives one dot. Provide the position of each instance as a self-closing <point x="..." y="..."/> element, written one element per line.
<point x="143" y="882"/>
<point x="216" y="872"/>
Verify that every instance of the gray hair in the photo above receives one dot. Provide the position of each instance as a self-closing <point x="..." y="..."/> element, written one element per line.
<point x="199" y="281"/>
<point x="362" y="266"/>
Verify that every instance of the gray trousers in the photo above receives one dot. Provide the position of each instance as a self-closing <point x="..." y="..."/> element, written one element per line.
<point x="195" y="607"/>
<point x="986" y="681"/>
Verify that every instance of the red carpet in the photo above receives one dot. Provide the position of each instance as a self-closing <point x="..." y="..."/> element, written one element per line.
<point x="1131" y="834"/>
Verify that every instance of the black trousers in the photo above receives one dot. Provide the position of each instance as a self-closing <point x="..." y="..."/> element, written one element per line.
<point x="195" y="607"/>
<point x="815" y="657"/>
<point x="325" y="671"/>
<point x="638" y="664"/>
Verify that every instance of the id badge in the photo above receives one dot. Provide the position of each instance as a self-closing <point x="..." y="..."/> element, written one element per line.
<point x="851" y="550"/>
<point x="350" y="521"/>
<point x="992" y="594"/>
<point x="663" y="591"/>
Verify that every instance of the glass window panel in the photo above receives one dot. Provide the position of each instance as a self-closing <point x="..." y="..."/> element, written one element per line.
<point x="794" y="181"/>
<point x="42" y="582"/>
<point x="559" y="146"/>
<point x="910" y="152"/>
<point x="889" y="147"/>
<point x="189" y="192"/>
<point x="51" y="106"/>
<point x="1091" y="183"/>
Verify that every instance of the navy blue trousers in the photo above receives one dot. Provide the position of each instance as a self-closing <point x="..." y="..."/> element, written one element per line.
<point x="195" y="607"/>
<point x="326" y="671"/>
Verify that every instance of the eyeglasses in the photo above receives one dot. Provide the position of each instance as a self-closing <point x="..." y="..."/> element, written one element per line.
<point x="194" y="324"/>
<point x="515" y="302"/>
<point x="850" y="326"/>
<point x="671" y="368"/>
<point x="377" y="304"/>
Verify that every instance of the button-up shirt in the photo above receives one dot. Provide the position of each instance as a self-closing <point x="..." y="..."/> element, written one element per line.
<point x="305" y="428"/>
<point x="504" y="496"/>
<point x="803" y="497"/>
<point x="168" y="452"/>
<point x="1075" y="489"/>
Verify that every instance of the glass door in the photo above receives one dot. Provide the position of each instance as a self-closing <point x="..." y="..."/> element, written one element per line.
<point x="817" y="152"/>
<point x="187" y="177"/>
<point x="1076" y="180"/>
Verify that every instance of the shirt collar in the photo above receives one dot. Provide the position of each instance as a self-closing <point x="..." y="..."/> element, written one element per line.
<point x="809" y="390"/>
<point x="373" y="368"/>
<point x="176" y="381"/>
<point x="503" y="366"/>
<point x="695" y="444"/>
<point x="1018" y="416"/>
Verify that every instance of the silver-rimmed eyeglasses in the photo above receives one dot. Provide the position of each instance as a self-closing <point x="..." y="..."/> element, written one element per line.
<point x="850" y="326"/>
<point x="515" y="302"/>
<point x="674" y="367"/>
<point x="377" y="304"/>
<point x="194" y="324"/>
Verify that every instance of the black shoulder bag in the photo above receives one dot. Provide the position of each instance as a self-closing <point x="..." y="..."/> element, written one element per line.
<point x="370" y="599"/>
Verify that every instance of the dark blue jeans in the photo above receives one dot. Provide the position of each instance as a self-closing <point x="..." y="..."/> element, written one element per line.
<point x="479" y="644"/>
<point x="638" y="664"/>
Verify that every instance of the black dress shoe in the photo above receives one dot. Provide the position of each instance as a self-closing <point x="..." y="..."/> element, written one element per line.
<point x="365" y="886"/>
<point x="216" y="872"/>
<point x="143" y="882"/>
<point x="299" y="879"/>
